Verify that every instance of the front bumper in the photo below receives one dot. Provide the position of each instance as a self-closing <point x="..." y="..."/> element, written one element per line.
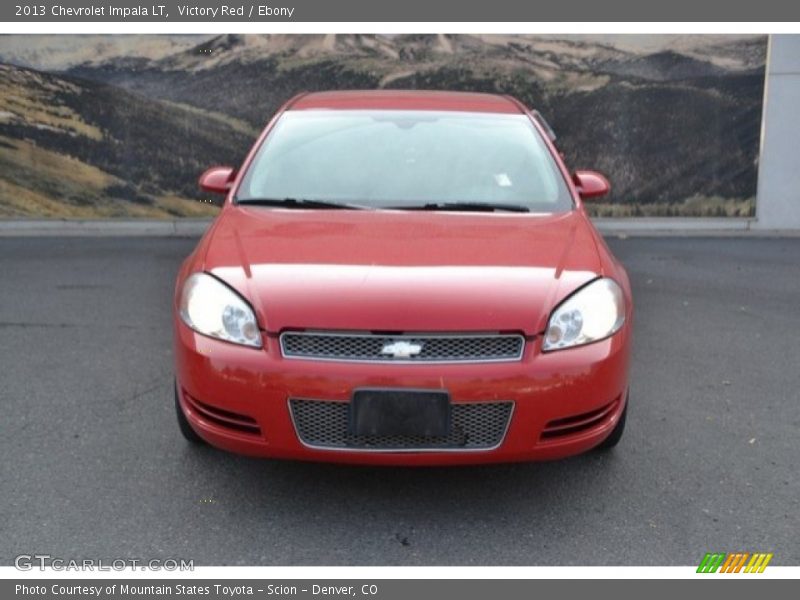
<point x="564" y="402"/>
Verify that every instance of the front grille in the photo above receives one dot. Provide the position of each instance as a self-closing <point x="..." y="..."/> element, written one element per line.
<point x="475" y="426"/>
<point x="407" y="348"/>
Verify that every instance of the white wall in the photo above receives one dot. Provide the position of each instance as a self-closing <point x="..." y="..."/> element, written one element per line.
<point x="778" y="201"/>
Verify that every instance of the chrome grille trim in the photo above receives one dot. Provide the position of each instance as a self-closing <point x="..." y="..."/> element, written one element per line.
<point x="332" y="416"/>
<point x="437" y="348"/>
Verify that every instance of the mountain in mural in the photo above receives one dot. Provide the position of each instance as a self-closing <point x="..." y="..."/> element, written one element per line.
<point x="676" y="127"/>
<point x="77" y="148"/>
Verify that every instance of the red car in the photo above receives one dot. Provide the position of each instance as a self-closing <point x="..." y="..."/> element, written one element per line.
<point x="403" y="277"/>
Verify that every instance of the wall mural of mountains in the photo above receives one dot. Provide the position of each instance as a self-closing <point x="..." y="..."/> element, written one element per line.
<point x="106" y="126"/>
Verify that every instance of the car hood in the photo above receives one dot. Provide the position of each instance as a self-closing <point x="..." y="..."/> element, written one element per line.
<point x="406" y="271"/>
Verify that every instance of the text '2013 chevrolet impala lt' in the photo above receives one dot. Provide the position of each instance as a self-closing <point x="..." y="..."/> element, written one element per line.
<point x="402" y="277"/>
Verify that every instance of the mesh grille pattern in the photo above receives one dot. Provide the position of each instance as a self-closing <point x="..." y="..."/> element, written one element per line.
<point x="423" y="348"/>
<point x="475" y="425"/>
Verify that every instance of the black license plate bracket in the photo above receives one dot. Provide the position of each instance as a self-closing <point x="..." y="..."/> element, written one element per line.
<point x="388" y="412"/>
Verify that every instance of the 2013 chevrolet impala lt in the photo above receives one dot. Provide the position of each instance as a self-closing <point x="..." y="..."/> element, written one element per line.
<point x="402" y="277"/>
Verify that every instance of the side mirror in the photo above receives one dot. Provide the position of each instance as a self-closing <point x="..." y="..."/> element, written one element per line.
<point x="217" y="180"/>
<point x="591" y="184"/>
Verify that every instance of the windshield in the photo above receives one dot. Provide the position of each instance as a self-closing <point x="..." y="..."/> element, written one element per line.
<point x="406" y="159"/>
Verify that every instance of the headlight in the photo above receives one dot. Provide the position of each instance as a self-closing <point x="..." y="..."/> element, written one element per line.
<point x="210" y="307"/>
<point x="594" y="312"/>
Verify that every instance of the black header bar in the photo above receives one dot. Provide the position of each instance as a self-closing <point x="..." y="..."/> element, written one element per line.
<point x="266" y="11"/>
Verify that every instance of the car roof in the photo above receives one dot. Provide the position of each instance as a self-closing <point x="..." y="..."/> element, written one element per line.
<point x="407" y="100"/>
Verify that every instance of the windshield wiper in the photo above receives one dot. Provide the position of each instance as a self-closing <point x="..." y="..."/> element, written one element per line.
<point x="466" y="206"/>
<point x="299" y="203"/>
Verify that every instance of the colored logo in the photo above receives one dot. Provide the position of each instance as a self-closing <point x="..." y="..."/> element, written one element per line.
<point x="736" y="562"/>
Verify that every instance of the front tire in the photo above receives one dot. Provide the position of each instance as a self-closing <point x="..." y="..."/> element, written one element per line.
<point x="183" y="423"/>
<point x="616" y="434"/>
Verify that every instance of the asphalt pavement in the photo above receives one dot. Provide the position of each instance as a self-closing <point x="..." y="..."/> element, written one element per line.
<point x="93" y="464"/>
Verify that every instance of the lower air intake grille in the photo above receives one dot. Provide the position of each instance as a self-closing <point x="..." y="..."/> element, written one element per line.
<point x="578" y="423"/>
<point x="475" y="426"/>
<point x="223" y="418"/>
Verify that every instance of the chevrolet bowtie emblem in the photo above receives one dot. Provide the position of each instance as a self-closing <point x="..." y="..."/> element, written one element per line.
<point x="401" y="349"/>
